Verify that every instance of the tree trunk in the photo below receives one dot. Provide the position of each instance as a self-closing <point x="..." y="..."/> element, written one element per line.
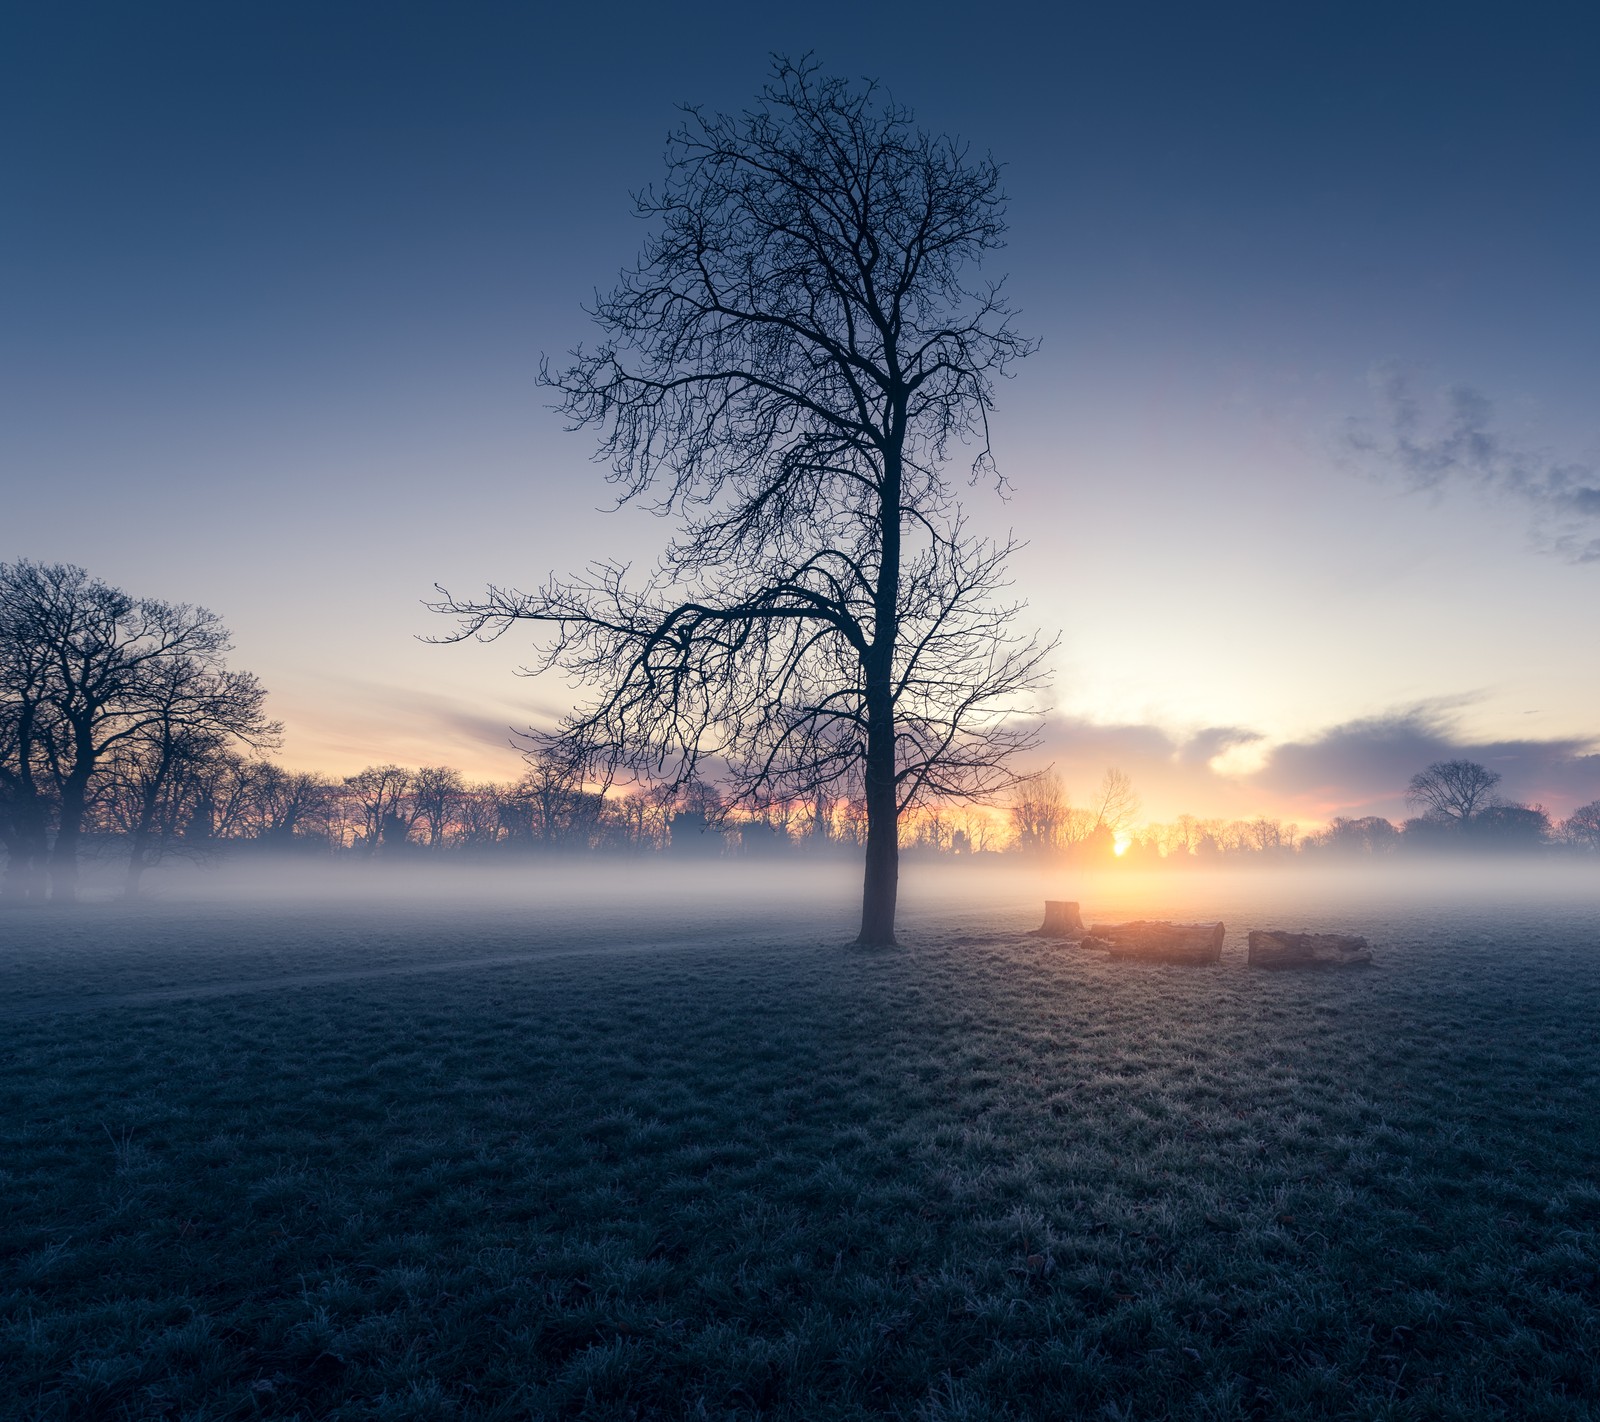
<point x="138" y="862"/>
<point x="139" y="846"/>
<point x="1276" y="948"/>
<point x="881" y="886"/>
<point x="882" y="882"/>
<point x="1062" y="919"/>
<point x="1159" y="942"/>
<point x="64" y="854"/>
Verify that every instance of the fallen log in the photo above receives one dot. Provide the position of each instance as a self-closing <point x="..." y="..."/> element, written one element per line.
<point x="1159" y="942"/>
<point x="1061" y="920"/>
<point x="1277" y="949"/>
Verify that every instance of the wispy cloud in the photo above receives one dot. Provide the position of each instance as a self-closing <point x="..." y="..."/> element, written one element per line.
<point x="353" y="721"/>
<point x="1363" y="766"/>
<point x="1431" y="442"/>
<point x="1358" y="767"/>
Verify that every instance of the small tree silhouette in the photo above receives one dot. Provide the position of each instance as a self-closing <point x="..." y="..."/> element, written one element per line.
<point x="1453" y="789"/>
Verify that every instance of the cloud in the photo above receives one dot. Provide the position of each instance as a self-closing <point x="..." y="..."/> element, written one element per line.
<point x="1355" y="768"/>
<point x="1205" y="746"/>
<point x="1174" y="773"/>
<point x="1363" y="766"/>
<point x="352" y="721"/>
<point x="1431" y="444"/>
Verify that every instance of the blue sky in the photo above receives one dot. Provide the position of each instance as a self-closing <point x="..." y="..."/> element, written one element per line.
<point x="275" y="280"/>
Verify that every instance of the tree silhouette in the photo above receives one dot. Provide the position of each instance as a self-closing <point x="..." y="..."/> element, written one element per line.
<point x="1521" y="827"/>
<point x="382" y="797"/>
<point x="25" y="725"/>
<point x="1453" y="789"/>
<point x="1038" y="812"/>
<point x="193" y="711"/>
<point x="788" y="368"/>
<point x="1115" y="802"/>
<point x="275" y="803"/>
<point x="1582" y="826"/>
<point x="436" y="792"/>
<point x="88" y="674"/>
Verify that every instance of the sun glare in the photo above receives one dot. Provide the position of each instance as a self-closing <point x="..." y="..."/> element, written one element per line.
<point x="1120" y="846"/>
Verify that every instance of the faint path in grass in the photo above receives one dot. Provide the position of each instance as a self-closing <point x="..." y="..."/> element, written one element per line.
<point x="71" y="1003"/>
<point x="108" y="957"/>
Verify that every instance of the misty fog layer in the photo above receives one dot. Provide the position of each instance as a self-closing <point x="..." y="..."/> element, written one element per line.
<point x="277" y="926"/>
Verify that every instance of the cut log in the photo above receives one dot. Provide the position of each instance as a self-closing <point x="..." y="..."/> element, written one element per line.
<point x="1159" y="942"/>
<point x="1276" y="949"/>
<point x="1061" y="920"/>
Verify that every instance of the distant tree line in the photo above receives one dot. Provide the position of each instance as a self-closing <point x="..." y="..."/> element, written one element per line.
<point x="1458" y="814"/>
<point x="228" y="799"/>
<point x="122" y="729"/>
<point x="231" y="801"/>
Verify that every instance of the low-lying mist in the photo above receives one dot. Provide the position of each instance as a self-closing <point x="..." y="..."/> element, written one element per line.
<point x="661" y="891"/>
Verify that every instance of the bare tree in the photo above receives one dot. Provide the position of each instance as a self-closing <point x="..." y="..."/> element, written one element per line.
<point x="224" y="788"/>
<point x="436" y="792"/>
<point x="25" y="722"/>
<point x="817" y="828"/>
<point x="1038" y="812"/>
<point x="1266" y="835"/>
<point x="1582" y="827"/>
<point x="479" y="820"/>
<point x="642" y="819"/>
<point x="192" y="712"/>
<point x="559" y="809"/>
<point x="381" y="794"/>
<point x="1371" y="835"/>
<point x="1236" y="837"/>
<point x="788" y="368"/>
<point x="932" y="830"/>
<point x="1453" y="789"/>
<point x="1115" y="803"/>
<point x="106" y="663"/>
<point x="1183" y="836"/>
<point x="282" y="803"/>
<point x="696" y="815"/>
<point x="1512" y="827"/>
<point x="979" y="829"/>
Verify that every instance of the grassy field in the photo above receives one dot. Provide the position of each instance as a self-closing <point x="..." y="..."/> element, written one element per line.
<point x="741" y="1172"/>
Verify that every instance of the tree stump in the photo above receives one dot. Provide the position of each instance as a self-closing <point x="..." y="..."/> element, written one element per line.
<point x="1276" y="949"/>
<point x="1061" y="920"/>
<point x="1159" y="942"/>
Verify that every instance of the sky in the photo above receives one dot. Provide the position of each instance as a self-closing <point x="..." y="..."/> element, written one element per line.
<point x="1306" y="461"/>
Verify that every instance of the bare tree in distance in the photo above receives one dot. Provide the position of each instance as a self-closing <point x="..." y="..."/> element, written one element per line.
<point x="381" y="794"/>
<point x="1582" y="826"/>
<point x="788" y="369"/>
<point x="558" y="808"/>
<point x="194" y="711"/>
<point x="1115" y="803"/>
<point x="1038" y="813"/>
<point x="25" y="724"/>
<point x="281" y="802"/>
<point x="1453" y="789"/>
<point x="111" y="668"/>
<point x="436" y="791"/>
